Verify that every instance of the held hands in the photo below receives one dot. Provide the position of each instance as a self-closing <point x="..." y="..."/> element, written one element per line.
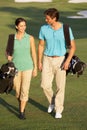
<point x="40" y="66"/>
<point x="34" y="73"/>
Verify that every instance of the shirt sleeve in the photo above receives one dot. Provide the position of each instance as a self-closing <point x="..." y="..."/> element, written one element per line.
<point x="41" y="34"/>
<point x="71" y="34"/>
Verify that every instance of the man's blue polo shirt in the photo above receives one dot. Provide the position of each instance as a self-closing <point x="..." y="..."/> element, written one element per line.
<point x="55" y="41"/>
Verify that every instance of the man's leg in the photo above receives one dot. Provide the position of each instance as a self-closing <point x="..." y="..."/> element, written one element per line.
<point x="47" y="78"/>
<point x="59" y="98"/>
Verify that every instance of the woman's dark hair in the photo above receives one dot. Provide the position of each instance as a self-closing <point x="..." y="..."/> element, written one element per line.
<point x="52" y="12"/>
<point x="18" y="20"/>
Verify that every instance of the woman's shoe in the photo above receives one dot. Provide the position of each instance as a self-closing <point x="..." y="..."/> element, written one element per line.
<point x="22" y="116"/>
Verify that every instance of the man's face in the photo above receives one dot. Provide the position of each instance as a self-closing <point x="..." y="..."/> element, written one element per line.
<point x="49" y="20"/>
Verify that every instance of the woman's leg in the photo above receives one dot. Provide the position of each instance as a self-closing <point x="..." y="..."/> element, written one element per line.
<point x="25" y="86"/>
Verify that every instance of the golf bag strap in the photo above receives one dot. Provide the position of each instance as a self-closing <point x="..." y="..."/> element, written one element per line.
<point x="10" y="45"/>
<point x="66" y="35"/>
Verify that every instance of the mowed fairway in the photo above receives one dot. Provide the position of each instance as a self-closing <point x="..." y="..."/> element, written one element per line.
<point x="75" y="112"/>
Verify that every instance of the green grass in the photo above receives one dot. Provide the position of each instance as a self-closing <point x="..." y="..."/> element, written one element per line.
<point x="75" y="112"/>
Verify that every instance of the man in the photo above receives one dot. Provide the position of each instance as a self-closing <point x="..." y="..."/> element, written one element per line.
<point x="53" y="56"/>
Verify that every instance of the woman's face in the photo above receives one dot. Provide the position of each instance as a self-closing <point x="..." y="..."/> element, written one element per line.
<point x="21" y="27"/>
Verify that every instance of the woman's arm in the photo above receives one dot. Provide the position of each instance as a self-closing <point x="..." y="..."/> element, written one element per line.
<point x="34" y="56"/>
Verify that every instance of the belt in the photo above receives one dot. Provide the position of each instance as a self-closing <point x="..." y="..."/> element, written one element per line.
<point x="52" y="56"/>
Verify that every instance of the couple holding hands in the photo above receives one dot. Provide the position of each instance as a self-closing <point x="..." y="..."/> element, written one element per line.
<point x="51" y="51"/>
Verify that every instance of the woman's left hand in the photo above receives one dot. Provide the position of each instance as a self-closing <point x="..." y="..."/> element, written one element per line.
<point x="34" y="73"/>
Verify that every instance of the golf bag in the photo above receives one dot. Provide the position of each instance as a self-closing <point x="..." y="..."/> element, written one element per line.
<point x="7" y="74"/>
<point x="76" y="65"/>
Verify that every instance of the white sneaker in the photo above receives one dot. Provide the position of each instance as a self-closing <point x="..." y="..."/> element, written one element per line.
<point x="50" y="108"/>
<point x="58" y="115"/>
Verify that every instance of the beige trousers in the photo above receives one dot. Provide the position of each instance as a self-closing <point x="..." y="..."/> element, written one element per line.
<point x="51" y="68"/>
<point x="22" y="84"/>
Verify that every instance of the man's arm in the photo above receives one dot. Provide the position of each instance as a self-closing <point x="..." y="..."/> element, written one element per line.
<point x="40" y="53"/>
<point x="71" y="53"/>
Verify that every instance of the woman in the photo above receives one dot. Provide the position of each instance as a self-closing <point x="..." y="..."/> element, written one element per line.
<point x="24" y="58"/>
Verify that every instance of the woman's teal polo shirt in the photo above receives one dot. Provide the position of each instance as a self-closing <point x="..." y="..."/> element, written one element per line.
<point x="21" y="54"/>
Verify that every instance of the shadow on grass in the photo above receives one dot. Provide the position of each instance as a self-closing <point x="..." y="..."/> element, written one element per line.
<point x="35" y="18"/>
<point x="38" y="105"/>
<point x="9" y="107"/>
<point x="33" y="15"/>
<point x="34" y="103"/>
